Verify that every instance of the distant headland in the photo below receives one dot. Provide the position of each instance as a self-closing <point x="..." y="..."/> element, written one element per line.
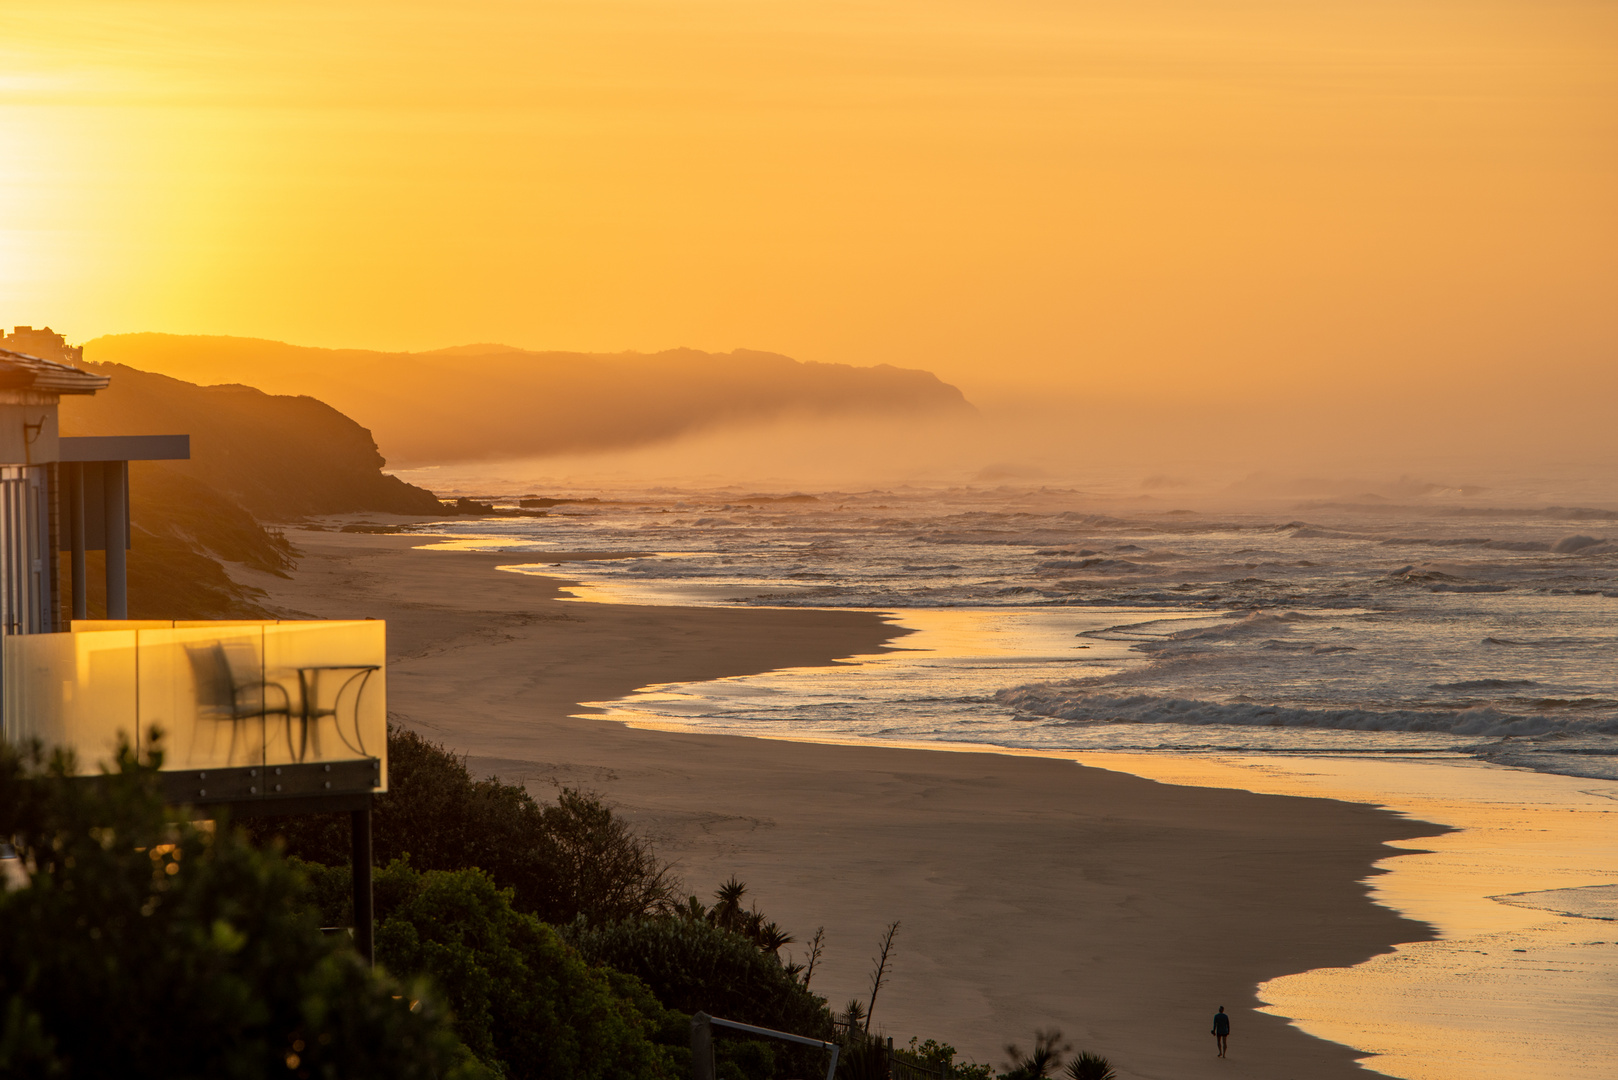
<point x="486" y="402"/>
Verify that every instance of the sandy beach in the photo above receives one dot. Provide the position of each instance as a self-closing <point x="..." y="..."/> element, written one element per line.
<point x="1032" y="893"/>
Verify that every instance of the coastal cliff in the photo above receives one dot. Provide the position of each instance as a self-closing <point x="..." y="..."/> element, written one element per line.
<point x="256" y="458"/>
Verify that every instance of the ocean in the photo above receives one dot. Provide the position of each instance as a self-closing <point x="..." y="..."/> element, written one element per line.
<point x="1039" y="623"/>
<point x="1447" y="660"/>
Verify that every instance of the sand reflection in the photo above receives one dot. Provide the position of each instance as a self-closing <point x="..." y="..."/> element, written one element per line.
<point x="1507" y="988"/>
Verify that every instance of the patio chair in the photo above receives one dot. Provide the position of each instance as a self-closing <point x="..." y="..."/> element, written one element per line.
<point x="225" y="698"/>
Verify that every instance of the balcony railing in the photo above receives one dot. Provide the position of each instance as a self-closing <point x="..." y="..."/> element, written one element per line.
<point x="248" y="710"/>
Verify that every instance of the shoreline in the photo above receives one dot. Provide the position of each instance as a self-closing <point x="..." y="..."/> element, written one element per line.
<point x="1031" y="893"/>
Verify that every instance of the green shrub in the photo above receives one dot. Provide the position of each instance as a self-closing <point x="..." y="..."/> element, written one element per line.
<point x="749" y="1059"/>
<point x="863" y="1058"/>
<point x="692" y="965"/>
<point x="143" y="946"/>
<point x="523" y="1000"/>
<point x="940" y="1057"/>
<point x="570" y="858"/>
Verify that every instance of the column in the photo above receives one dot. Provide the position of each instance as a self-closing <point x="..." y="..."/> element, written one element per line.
<point x="114" y="511"/>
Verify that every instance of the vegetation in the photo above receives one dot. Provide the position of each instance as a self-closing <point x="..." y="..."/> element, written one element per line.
<point x="143" y="946"/>
<point x="725" y="961"/>
<point x="879" y="969"/>
<point x="1088" y="1066"/>
<point x="1046" y="1058"/>
<point x="524" y="1002"/>
<point x="571" y="859"/>
<point x="692" y="965"/>
<point x="551" y="934"/>
<point x="750" y="923"/>
<point x="940" y="1058"/>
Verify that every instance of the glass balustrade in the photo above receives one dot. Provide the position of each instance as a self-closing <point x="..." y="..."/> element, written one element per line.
<point x="254" y="700"/>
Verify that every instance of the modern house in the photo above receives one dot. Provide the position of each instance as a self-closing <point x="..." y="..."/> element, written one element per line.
<point x="41" y="341"/>
<point x="262" y="717"/>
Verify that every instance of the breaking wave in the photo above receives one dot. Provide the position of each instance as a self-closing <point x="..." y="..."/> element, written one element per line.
<point x="1074" y="704"/>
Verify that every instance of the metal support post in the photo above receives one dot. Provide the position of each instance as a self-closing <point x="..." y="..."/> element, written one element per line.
<point x="360" y="868"/>
<point x="708" y="1023"/>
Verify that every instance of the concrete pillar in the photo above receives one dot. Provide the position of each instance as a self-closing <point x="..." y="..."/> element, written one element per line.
<point x="702" y="1065"/>
<point x="114" y="496"/>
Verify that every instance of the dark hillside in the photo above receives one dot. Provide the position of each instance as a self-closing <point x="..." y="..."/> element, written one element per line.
<point x="280" y="457"/>
<point x="255" y="457"/>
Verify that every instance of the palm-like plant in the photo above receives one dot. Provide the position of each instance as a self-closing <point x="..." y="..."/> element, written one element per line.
<point x="771" y="938"/>
<point x="727" y="912"/>
<point x="1088" y="1066"/>
<point x="1045" y="1058"/>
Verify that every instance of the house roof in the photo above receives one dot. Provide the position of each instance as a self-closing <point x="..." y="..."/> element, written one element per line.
<point x="19" y="371"/>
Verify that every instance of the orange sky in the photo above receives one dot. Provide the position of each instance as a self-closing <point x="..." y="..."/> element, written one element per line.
<point x="1140" y="196"/>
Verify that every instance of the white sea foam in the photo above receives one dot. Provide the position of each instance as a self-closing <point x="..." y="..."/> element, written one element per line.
<point x="1584" y="902"/>
<point x="1353" y="626"/>
<point x="1075" y="703"/>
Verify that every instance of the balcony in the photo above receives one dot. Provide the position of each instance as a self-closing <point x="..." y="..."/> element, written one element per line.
<point x="265" y="713"/>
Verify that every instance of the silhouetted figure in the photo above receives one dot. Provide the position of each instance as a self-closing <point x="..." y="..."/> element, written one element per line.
<point x="1221" y="1029"/>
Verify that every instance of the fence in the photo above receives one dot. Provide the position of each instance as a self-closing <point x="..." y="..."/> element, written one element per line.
<point x="895" y="1064"/>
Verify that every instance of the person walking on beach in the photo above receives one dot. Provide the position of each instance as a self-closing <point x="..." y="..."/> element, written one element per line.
<point x="1221" y="1029"/>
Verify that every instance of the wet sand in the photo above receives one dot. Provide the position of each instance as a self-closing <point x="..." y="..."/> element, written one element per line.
<point x="1526" y="970"/>
<point x="1032" y="893"/>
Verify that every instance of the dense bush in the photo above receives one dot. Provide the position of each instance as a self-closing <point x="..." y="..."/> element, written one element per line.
<point x="748" y="922"/>
<point x="568" y="859"/>
<point x="693" y="965"/>
<point x="523" y="1000"/>
<point x="939" y="1058"/>
<point x="142" y="946"/>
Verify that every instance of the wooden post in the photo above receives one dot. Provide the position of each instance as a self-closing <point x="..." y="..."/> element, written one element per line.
<point x="702" y="1066"/>
<point x="360" y="869"/>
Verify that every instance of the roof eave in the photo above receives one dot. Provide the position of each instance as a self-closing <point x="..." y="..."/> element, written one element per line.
<point x="48" y="376"/>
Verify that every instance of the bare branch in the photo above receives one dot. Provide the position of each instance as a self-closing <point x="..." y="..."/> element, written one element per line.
<point x="817" y="945"/>
<point x="880" y="974"/>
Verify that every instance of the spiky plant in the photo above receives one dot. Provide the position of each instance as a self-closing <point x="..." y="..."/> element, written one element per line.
<point x="727" y="912"/>
<point x="771" y="938"/>
<point x="1088" y="1066"/>
<point x="1045" y="1058"/>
